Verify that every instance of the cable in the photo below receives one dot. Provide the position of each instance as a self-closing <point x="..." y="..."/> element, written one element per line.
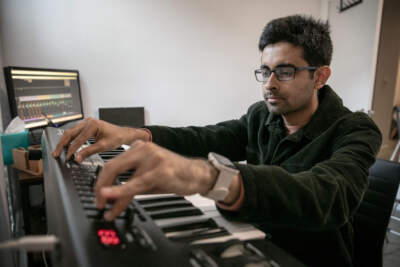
<point x="32" y="243"/>
<point x="44" y="259"/>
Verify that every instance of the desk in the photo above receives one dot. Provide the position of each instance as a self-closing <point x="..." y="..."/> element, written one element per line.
<point x="25" y="177"/>
<point x="26" y="180"/>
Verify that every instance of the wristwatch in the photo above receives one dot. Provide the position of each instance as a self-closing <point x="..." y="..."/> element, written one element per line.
<point x="226" y="172"/>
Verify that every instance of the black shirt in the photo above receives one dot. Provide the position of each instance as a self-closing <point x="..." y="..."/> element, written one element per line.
<point x="302" y="189"/>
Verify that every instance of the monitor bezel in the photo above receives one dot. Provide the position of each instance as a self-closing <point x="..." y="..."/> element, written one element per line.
<point x="11" y="92"/>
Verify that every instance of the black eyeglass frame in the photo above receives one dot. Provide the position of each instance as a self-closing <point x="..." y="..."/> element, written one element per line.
<point x="261" y="70"/>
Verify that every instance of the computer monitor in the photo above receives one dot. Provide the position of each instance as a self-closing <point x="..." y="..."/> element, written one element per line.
<point x="42" y="96"/>
<point x="6" y="256"/>
<point x="123" y="116"/>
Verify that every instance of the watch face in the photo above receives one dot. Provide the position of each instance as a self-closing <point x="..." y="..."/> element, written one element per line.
<point x="223" y="160"/>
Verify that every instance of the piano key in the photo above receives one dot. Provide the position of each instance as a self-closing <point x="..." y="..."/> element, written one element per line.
<point x="239" y="230"/>
<point x="198" y="234"/>
<point x="189" y="225"/>
<point x="159" y="198"/>
<point x="87" y="188"/>
<point x="168" y="204"/>
<point x="87" y="199"/>
<point x="92" y="206"/>
<point x="86" y="194"/>
<point x="176" y="212"/>
<point x="95" y="214"/>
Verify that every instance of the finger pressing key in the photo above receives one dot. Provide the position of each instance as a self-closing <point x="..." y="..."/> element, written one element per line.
<point x="67" y="137"/>
<point x="117" y="208"/>
<point x="104" y="178"/>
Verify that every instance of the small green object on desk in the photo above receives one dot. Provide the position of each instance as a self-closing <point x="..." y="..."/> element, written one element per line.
<point x="11" y="141"/>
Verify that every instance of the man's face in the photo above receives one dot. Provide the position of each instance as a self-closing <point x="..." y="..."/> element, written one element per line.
<point x="287" y="97"/>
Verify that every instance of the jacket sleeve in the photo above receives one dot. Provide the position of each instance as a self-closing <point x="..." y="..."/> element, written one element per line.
<point x="324" y="196"/>
<point x="227" y="138"/>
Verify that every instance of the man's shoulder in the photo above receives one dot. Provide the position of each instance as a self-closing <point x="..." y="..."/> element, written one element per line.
<point x="358" y="117"/>
<point x="257" y="112"/>
<point x="257" y="107"/>
<point x="354" y="121"/>
<point x="332" y="111"/>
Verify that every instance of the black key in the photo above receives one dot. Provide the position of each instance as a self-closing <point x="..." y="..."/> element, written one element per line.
<point x="167" y="205"/>
<point x="92" y="206"/>
<point x="96" y="213"/>
<point x="193" y="235"/>
<point x="87" y="199"/>
<point x="190" y="225"/>
<point x="177" y="212"/>
<point x="84" y="188"/>
<point x="86" y="194"/>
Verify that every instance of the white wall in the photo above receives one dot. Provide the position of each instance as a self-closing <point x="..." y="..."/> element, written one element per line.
<point x="186" y="61"/>
<point x="353" y="34"/>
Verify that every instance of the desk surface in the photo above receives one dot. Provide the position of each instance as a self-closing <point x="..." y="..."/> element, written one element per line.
<point x="29" y="176"/>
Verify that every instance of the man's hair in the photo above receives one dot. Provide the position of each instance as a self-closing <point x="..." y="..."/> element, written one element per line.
<point x="306" y="32"/>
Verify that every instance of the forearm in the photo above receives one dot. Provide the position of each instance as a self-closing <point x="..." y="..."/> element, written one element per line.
<point x="129" y="135"/>
<point x="310" y="199"/>
<point x="227" y="138"/>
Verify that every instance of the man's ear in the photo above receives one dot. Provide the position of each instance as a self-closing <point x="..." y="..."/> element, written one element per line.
<point x="321" y="75"/>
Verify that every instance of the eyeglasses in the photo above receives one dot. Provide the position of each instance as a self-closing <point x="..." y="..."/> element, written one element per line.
<point x="282" y="72"/>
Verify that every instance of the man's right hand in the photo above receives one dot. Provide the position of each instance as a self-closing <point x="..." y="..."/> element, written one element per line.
<point x="107" y="136"/>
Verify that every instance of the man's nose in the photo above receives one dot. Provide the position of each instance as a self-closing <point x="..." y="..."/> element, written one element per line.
<point x="271" y="83"/>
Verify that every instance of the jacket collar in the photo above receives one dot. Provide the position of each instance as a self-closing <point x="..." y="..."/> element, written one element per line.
<point x="330" y="108"/>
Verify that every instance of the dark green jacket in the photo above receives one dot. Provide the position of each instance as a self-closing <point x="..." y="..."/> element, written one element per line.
<point x="303" y="188"/>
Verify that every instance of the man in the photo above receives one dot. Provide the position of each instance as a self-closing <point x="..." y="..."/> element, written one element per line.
<point x="307" y="155"/>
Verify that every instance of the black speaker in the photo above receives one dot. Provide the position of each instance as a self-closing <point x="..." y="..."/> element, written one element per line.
<point x="127" y="116"/>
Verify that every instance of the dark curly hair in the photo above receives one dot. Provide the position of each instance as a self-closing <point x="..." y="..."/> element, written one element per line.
<point x="306" y="32"/>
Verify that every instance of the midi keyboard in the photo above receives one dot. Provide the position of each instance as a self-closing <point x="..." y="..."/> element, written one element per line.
<point x="155" y="230"/>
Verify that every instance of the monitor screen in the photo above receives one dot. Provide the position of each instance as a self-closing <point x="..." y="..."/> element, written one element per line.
<point x="43" y="96"/>
<point x="125" y="116"/>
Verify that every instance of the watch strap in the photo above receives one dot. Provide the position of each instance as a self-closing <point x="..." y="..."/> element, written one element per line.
<point x="225" y="177"/>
